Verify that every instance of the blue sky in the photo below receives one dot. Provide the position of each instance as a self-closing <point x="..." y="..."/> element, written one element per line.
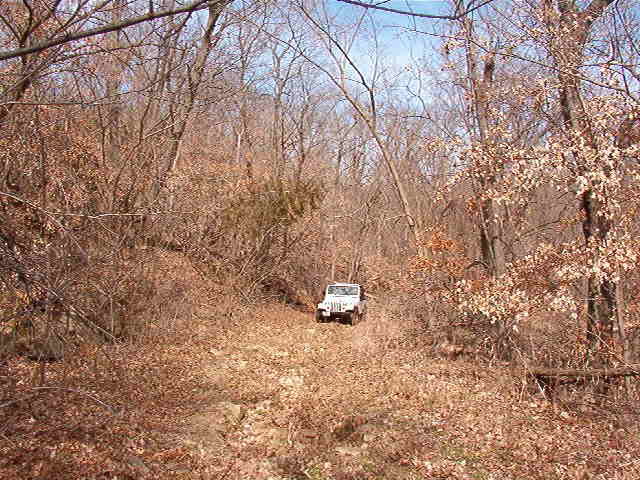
<point x="400" y="47"/>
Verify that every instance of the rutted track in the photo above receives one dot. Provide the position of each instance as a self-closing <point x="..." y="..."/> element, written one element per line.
<point x="291" y="393"/>
<point x="291" y="398"/>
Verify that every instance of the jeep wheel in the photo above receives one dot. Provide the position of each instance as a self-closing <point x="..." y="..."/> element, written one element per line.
<point x="348" y="319"/>
<point x="319" y="318"/>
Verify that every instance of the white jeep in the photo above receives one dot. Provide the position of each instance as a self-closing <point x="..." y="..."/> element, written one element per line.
<point x="342" y="301"/>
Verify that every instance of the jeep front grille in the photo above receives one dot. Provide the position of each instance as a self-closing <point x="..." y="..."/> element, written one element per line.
<point x="336" y="307"/>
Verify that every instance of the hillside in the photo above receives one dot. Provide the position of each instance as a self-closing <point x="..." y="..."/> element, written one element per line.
<point x="265" y="392"/>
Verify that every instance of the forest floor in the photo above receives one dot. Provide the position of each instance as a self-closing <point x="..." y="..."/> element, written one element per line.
<point x="264" y="392"/>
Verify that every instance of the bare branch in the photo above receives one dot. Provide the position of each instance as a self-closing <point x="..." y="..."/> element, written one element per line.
<point x="112" y="27"/>
<point x="457" y="16"/>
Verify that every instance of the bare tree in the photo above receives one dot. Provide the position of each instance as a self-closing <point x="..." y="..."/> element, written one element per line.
<point x="339" y="50"/>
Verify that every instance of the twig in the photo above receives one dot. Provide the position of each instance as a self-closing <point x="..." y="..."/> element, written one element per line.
<point x="108" y="407"/>
<point x="11" y="402"/>
<point x="630" y="370"/>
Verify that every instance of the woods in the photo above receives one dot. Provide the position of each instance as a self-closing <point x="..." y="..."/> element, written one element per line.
<point x="476" y="162"/>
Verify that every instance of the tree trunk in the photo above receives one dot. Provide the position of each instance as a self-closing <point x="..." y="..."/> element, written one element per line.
<point x="570" y="29"/>
<point x="491" y="247"/>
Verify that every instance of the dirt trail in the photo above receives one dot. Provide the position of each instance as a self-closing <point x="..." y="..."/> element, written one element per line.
<point x="292" y="399"/>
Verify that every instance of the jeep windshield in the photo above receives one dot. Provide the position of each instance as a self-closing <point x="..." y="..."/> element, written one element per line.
<point x="342" y="290"/>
